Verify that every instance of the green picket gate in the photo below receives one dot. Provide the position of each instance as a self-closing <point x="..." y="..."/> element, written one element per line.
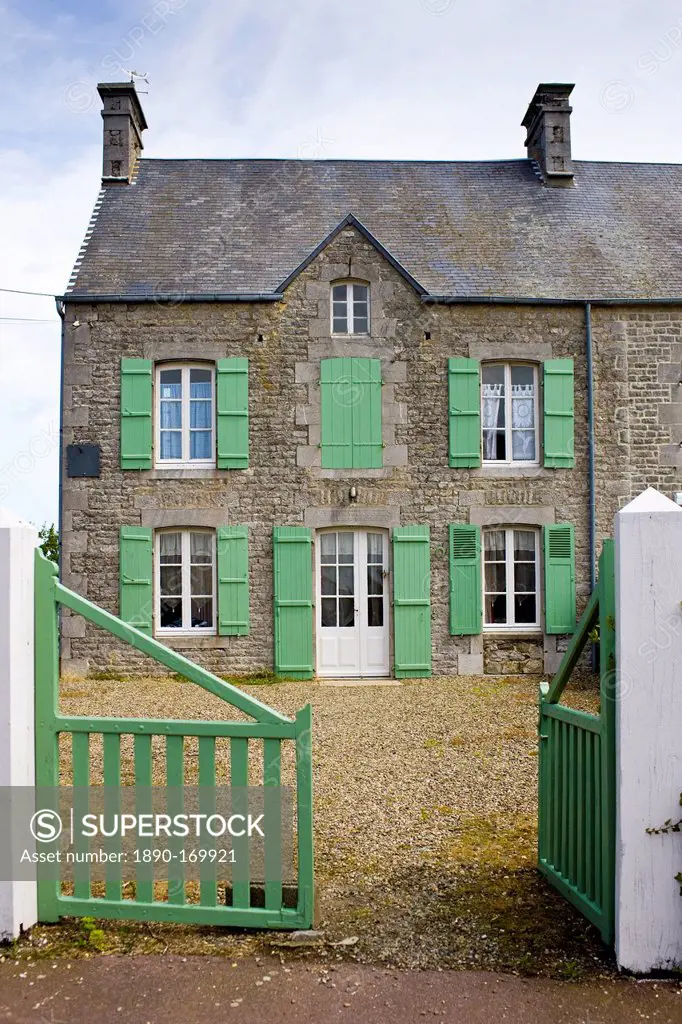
<point x="269" y="725"/>
<point x="576" y="821"/>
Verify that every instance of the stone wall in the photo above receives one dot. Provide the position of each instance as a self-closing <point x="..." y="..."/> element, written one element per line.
<point x="639" y="429"/>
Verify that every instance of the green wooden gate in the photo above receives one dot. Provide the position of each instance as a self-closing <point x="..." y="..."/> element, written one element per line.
<point x="202" y="907"/>
<point x="576" y="824"/>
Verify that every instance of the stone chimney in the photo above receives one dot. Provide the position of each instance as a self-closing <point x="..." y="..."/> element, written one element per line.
<point x="124" y="123"/>
<point x="548" y="132"/>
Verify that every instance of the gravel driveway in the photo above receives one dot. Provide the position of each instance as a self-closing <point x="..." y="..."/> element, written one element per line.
<point x="425" y="804"/>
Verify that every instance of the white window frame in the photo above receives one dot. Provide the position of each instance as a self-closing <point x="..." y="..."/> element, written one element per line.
<point x="510" y="626"/>
<point x="185" y="462"/>
<point x="186" y="629"/>
<point x="510" y="461"/>
<point x="349" y="283"/>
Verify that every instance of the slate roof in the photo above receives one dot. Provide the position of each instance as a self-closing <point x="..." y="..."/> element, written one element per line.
<point x="243" y="227"/>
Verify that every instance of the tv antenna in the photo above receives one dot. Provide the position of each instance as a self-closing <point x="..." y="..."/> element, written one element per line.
<point x="142" y="75"/>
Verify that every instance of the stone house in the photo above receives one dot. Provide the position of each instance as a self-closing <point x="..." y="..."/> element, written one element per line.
<point x="363" y="418"/>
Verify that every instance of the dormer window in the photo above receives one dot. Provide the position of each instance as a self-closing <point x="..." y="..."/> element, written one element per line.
<point x="350" y="308"/>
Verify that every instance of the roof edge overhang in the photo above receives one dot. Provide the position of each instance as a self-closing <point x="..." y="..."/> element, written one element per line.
<point x="173" y="298"/>
<point x="178" y="298"/>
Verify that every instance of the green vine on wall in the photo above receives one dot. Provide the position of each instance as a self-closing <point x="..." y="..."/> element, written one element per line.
<point x="667" y="827"/>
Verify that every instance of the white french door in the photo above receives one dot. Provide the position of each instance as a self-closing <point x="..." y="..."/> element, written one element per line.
<point x="352" y="603"/>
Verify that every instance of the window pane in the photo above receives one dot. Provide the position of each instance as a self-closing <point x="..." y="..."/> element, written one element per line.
<point x="375" y="548"/>
<point x="523" y="445"/>
<point x="202" y="612"/>
<point x="171" y="613"/>
<point x="199" y="378"/>
<point x="201" y="579"/>
<point x="524" y="609"/>
<point x="339" y="293"/>
<point x="375" y="579"/>
<point x="493" y="541"/>
<point x="493" y="412"/>
<point x="360" y="324"/>
<point x="328" y="547"/>
<point x="200" y="444"/>
<point x="522" y="375"/>
<point x="170" y="444"/>
<point x="170" y="581"/>
<point x="346" y="579"/>
<point x="200" y="415"/>
<point x="524" y="577"/>
<point x="524" y="546"/>
<point x="495" y="577"/>
<point x="496" y="609"/>
<point x="170" y="417"/>
<point x="328" y="611"/>
<point x="328" y="579"/>
<point x="346" y="612"/>
<point x="493" y="374"/>
<point x="375" y="611"/>
<point x="340" y="325"/>
<point x="360" y="293"/>
<point x="345" y="547"/>
<point x="170" y="382"/>
<point x="169" y="548"/>
<point x="200" y="548"/>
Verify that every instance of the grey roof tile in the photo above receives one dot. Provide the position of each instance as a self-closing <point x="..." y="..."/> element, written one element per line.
<point x="460" y="229"/>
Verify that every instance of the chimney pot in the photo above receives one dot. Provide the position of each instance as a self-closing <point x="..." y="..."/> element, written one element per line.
<point x="124" y="122"/>
<point x="548" y="132"/>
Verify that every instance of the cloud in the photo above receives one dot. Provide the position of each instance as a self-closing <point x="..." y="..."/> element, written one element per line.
<point x="417" y="79"/>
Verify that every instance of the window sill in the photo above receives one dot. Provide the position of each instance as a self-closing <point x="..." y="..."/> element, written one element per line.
<point x="186" y="642"/>
<point x="185" y="472"/>
<point x="184" y="634"/>
<point x="491" y="469"/>
<point x="512" y="631"/>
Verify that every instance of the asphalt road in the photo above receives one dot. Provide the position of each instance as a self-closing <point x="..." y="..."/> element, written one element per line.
<point x="205" y="990"/>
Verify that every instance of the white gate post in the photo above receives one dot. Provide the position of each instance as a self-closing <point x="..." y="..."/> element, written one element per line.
<point x="648" y="731"/>
<point x="18" y="541"/>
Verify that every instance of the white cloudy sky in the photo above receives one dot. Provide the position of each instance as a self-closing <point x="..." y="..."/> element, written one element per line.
<point x="443" y="79"/>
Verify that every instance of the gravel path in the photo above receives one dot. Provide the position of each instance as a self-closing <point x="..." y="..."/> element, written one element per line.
<point x="425" y="804"/>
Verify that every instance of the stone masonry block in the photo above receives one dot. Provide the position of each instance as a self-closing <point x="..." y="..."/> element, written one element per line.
<point x="308" y="457"/>
<point x="395" y="455"/>
<point x="77" y="373"/>
<point x="394" y="371"/>
<point x="307" y="373"/>
<point x="669" y="373"/>
<point x="671" y="413"/>
<point x="671" y="455"/>
<point x="470" y="664"/>
<point x="73" y="626"/>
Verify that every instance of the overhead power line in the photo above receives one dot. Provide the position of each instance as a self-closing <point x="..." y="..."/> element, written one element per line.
<point x="20" y="291"/>
<point x="25" y="320"/>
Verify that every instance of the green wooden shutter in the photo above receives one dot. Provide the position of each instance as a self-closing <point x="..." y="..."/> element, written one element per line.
<point x="293" y="590"/>
<point x="412" y="601"/>
<point x="232" y="409"/>
<point x="233" y="580"/>
<point x="368" y="452"/>
<point x="464" y="388"/>
<point x="136" y="577"/>
<point x="465" y="579"/>
<point x="350" y="396"/>
<point x="559" y="555"/>
<point x="136" y="414"/>
<point x="558" y="413"/>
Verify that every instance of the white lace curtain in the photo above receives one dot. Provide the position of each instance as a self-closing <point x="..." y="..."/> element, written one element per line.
<point x="522" y="416"/>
